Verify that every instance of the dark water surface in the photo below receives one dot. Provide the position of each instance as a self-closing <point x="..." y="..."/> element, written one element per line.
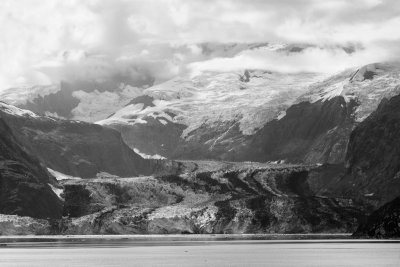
<point x="221" y="250"/>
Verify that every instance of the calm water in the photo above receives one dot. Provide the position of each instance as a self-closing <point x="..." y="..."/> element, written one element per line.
<point x="201" y="253"/>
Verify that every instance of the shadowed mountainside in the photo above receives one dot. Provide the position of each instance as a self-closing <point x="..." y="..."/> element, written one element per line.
<point x="382" y="223"/>
<point x="373" y="157"/>
<point x="24" y="182"/>
<point x="73" y="147"/>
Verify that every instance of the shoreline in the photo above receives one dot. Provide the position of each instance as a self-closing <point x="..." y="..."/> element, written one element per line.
<point x="179" y="240"/>
<point x="182" y="236"/>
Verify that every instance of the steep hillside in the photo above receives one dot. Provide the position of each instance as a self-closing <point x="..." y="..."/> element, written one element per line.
<point x="309" y="132"/>
<point x="373" y="158"/>
<point x="72" y="147"/>
<point x="382" y="223"/>
<point x="25" y="185"/>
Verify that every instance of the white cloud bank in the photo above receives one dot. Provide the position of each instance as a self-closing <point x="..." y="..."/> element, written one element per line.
<point x="43" y="41"/>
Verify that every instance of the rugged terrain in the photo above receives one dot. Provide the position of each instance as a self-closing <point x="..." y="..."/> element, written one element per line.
<point x="73" y="147"/>
<point x="372" y="159"/>
<point x="382" y="223"/>
<point x="229" y="198"/>
<point x="255" y="115"/>
<point x="331" y="153"/>
<point x="25" y="185"/>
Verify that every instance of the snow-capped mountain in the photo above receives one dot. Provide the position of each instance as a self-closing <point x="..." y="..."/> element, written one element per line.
<point x="209" y="108"/>
<point x="367" y="85"/>
<point x="317" y="127"/>
<point x="95" y="99"/>
<point x="255" y="115"/>
<point x="79" y="100"/>
<point x="251" y="98"/>
<point x="245" y="114"/>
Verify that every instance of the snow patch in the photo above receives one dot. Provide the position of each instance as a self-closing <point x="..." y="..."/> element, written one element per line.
<point x="281" y="115"/>
<point x="57" y="191"/>
<point x="61" y="176"/>
<point x="164" y="122"/>
<point x="12" y="110"/>
<point x="145" y="156"/>
<point x="330" y="92"/>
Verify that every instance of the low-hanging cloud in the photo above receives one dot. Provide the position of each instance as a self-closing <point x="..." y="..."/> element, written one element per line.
<point x="310" y="59"/>
<point x="43" y="41"/>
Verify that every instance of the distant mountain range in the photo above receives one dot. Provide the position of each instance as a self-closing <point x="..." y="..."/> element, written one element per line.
<point x="218" y="152"/>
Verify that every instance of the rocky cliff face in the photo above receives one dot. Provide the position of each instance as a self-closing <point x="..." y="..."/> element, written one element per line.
<point x="72" y="147"/>
<point x="373" y="157"/>
<point x="309" y="132"/>
<point x="382" y="223"/>
<point x="234" y="199"/>
<point x="25" y="185"/>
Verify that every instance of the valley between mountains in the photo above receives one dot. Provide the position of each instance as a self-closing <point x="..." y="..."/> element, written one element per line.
<point x="234" y="152"/>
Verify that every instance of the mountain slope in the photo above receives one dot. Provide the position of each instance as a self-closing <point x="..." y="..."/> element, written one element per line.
<point x="255" y="115"/>
<point x="72" y="147"/>
<point x="24" y="183"/>
<point x="382" y="223"/>
<point x="205" y="116"/>
<point x="373" y="157"/>
<point x="309" y="132"/>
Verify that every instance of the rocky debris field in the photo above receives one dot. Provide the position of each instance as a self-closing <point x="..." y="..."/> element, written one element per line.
<point x="232" y="198"/>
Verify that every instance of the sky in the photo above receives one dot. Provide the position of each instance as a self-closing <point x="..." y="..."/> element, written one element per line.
<point x="45" y="41"/>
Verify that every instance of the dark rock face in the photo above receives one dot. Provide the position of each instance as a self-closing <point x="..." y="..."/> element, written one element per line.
<point x="153" y="137"/>
<point x="373" y="157"/>
<point x="367" y="72"/>
<point x="238" y="200"/>
<point x="310" y="132"/>
<point x="24" y="188"/>
<point x="77" y="148"/>
<point x="245" y="77"/>
<point x="216" y="141"/>
<point x="61" y="103"/>
<point x="146" y="100"/>
<point x="382" y="223"/>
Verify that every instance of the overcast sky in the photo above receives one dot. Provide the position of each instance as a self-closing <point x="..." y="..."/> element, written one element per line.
<point x="43" y="41"/>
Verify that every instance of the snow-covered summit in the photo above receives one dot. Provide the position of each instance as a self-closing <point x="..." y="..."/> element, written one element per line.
<point x="251" y="97"/>
<point x="367" y="85"/>
<point x="12" y="110"/>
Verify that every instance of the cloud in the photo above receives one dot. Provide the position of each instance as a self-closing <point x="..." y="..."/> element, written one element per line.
<point x="312" y="59"/>
<point x="161" y="38"/>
